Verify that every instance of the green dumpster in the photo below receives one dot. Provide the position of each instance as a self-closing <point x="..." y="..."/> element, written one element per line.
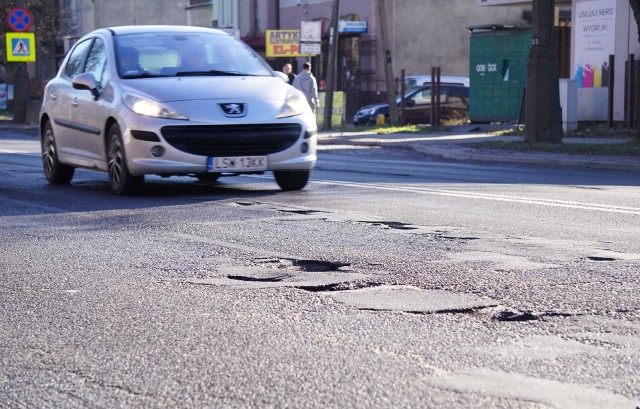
<point x="497" y="72"/>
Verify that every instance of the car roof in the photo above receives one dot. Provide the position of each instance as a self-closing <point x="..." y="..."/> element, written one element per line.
<point x="422" y="79"/>
<point x="120" y="30"/>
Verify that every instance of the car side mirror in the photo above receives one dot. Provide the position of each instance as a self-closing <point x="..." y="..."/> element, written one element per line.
<point x="86" y="81"/>
<point x="410" y="102"/>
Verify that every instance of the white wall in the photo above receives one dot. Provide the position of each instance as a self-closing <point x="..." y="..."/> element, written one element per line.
<point x="434" y="33"/>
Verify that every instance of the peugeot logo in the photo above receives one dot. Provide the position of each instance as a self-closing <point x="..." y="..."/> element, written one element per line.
<point x="233" y="110"/>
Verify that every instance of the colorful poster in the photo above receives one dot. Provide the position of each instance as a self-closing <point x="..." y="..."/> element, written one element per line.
<point x="595" y="26"/>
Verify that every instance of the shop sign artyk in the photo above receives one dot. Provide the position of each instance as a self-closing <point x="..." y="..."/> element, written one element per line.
<point x="283" y="43"/>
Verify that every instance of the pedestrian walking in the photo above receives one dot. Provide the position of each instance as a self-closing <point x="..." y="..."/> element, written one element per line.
<point x="306" y="82"/>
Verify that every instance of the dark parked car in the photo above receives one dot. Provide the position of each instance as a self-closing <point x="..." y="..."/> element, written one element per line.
<point x="454" y="103"/>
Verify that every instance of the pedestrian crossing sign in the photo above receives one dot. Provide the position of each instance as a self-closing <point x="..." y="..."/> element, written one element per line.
<point x="21" y="47"/>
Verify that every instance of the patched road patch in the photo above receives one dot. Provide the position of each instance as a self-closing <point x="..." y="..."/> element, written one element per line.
<point x="261" y="277"/>
<point x="411" y="299"/>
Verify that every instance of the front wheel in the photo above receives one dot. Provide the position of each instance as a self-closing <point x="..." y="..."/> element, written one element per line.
<point x="55" y="172"/>
<point x="122" y="182"/>
<point x="289" y="180"/>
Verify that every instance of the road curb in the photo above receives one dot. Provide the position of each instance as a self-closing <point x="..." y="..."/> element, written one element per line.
<point x="532" y="160"/>
<point x="460" y="153"/>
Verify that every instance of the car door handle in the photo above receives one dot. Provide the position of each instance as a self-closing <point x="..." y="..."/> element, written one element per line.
<point x="53" y="96"/>
<point x="75" y="102"/>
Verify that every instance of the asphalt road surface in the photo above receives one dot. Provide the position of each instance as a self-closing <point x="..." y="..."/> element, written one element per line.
<point x="392" y="281"/>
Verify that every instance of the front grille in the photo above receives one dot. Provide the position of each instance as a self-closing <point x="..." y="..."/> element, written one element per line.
<point x="232" y="140"/>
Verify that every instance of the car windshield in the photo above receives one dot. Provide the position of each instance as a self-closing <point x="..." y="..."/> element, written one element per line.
<point x="411" y="93"/>
<point x="156" y="54"/>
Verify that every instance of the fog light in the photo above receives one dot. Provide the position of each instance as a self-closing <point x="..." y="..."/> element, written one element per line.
<point x="304" y="147"/>
<point x="157" y="151"/>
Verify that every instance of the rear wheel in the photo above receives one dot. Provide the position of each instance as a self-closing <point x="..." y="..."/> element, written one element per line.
<point x="122" y="182"/>
<point x="291" y="179"/>
<point x="56" y="172"/>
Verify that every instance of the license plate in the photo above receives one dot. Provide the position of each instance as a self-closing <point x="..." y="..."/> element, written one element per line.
<point x="236" y="163"/>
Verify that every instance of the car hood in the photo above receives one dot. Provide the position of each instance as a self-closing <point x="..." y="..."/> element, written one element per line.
<point x="174" y="89"/>
<point x="374" y="106"/>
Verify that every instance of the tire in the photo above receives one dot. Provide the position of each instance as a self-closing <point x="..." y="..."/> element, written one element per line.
<point x="208" y="177"/>
<point x="289" y="180"/>
<point x="55" y="172"/>
<point x="122" y="182"/>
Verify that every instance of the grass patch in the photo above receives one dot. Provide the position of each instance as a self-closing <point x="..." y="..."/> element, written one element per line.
<point x="631" y="148"/>
<point x="517" y="131"/>
<point x="384" y="130"/>
<point x="6" y="116"/>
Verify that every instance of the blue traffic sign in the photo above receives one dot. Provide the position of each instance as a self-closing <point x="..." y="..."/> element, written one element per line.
<point x="19" y="19"/>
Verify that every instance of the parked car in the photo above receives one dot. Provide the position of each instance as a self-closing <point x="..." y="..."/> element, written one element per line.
<point x="228" y="113"/>
<point x="454" y="103"/>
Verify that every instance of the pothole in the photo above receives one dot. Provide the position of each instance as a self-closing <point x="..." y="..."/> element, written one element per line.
<point x="304" y="265"/>
<point x="456" y="238"/>
<point x="514" y="315"/>
<point x="303" y="212"/>
<point x="345" y="286"/>
<point x="390" y="225"/>
<point x="319" y="265"/>
<point x="244" y="204"/>
<point x="411" y="300"/>
<point x="597" y="258"/>
<point x="267" y="277"/>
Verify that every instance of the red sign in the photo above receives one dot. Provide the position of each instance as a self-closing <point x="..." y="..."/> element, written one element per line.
<point x="19" y="19"/>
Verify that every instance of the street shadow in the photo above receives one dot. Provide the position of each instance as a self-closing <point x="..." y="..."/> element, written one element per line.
<point x="93" y="194"/>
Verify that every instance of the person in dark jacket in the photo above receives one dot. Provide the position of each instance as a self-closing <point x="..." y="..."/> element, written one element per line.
<point x="287" y="68"/>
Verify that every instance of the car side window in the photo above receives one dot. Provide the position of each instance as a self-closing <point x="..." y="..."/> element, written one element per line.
<point x="423" y="97"/>
<point x="457" y="100"/>
<point x="75" y="63"/>
<point x="97" y="63"/>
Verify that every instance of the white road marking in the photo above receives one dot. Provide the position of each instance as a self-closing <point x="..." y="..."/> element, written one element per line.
<point x="483" y="196"/>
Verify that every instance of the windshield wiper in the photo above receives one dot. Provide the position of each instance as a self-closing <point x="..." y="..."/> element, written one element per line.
<point x="141" y="75"/>
<point x="213" y="73"/>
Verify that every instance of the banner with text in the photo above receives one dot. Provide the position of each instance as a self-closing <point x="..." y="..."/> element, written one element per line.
<point x="337" y="114"/>
<point x="283" y="43"/>
<point x="595" y="34"/>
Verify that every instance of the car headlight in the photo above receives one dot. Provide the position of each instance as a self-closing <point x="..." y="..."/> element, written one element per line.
<point x="294" y="104"/>
<point x="148" y="107"/>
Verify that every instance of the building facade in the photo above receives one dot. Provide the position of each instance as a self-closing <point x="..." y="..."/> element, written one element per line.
<point x="599" y="29"/>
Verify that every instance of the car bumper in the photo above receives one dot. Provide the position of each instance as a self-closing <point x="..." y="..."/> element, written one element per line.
<point x="363" y="119"/>
<point x="177" y="158"/>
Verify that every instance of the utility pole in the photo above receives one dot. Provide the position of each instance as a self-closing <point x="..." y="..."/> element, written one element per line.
<point x="543" y="116"/>
<point x="331" y="66"/>
<point x="388" y="66"/>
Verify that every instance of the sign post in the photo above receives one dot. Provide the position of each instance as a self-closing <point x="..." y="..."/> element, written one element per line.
<point x="21" y="48"/>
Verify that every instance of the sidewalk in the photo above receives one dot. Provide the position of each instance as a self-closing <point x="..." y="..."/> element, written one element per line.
<point x="449" y="145"/>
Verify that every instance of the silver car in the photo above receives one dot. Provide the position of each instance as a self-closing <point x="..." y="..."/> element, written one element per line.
<point x="173" y="100"/>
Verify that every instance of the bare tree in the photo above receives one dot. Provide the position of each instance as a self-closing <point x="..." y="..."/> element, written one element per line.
<point x="635" y="6"/>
